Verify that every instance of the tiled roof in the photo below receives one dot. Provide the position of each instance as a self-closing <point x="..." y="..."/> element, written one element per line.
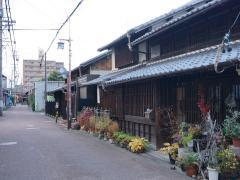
<point x="185" y="15"/>
<point x="95" y="59"/>
<point x="157" y="23"/>
<point x="110" y="75"/>
<point x="61" y="87"/>
<point x="199" y="59"/>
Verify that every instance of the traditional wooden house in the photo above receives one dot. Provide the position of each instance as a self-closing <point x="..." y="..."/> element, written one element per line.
<point x="184" y="60"/>
<point x="82" y="95"/>
<point x="89" y="70"/>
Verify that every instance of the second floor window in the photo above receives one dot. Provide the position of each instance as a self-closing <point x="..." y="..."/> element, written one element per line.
<point x="142" y="49"/>
<point x="155" y="51"/>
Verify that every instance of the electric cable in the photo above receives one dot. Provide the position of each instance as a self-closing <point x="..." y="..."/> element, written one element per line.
<point x="59" y="29"/>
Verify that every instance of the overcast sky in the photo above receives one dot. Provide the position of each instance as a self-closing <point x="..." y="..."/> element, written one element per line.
<point x="94" y="24"/>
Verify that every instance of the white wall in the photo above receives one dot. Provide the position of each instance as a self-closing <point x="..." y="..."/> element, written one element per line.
<point x="39" y="92"/>
<point x="4" y="82"/>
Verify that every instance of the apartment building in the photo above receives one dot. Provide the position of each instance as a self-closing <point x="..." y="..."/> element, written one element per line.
<point x="32" y="71"/>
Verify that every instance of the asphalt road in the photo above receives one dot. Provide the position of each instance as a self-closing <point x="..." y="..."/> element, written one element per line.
<point x="33" y="147"/>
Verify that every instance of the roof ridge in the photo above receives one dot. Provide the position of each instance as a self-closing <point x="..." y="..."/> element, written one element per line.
<point x="201" y="7"/>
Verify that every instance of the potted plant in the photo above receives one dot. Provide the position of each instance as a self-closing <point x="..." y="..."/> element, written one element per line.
<point x="236" y="135"/>
<point x="138" y="145"/>
<point x="190" y="163"/>
<point x="231" y="127"/>
<point x="213" y="166"/>
<point x="228" y="163"/>
<point x="171" y="150"/>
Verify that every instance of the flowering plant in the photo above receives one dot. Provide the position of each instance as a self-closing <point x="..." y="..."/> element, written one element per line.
<point x="203" y="107"/>
<point x="227" y="161"/>
<point x="171" y="149"/>
<point x="138" y="145"/>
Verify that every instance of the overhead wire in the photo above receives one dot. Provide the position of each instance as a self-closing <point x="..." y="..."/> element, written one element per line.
<point x="8" y="27"/>
<point x="34" y="29"/>
<point x="11" y="33"/>
<point x="59" y="29"/>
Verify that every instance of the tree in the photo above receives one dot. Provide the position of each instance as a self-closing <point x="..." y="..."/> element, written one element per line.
<point x="55" y="76"/>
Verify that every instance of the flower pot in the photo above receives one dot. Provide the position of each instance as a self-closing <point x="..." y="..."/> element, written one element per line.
<point x="236" y="142"/>
<point x="181" y="152"/>
<point x="192" y="170"/>
<point x="172" y="161"/>
<point x="212" y="173"/>
<point x="190" y="145"/>
<point x="228" y="176"/>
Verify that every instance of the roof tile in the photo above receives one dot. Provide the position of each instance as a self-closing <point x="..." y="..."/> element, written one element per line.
<point x="185" y="62"/>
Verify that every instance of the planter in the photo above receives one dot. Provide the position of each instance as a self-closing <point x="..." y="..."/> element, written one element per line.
<point x="236" y="142"/>
<point x="228" y="176"/>
<point x="212" y="173"/>
<point x="190" y="145"/>
<point x="172" y="161"/>
<point x="181" y="152"/>
<point x="192" y="170"/>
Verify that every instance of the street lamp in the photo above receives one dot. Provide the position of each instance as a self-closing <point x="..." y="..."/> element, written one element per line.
<point x="69" y="96"/>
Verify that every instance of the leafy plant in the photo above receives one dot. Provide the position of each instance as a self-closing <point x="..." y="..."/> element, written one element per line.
<point x="228" y="161"/>
<point x="186" y="139"/>
<point x="55" y="76"/>
<point x="112" y="128"/>
<point x="92" y="123"/>
<point x="195" y="131"/>
<point x="102" y="125"/>
<point x="190" y="159"/>
<point x="138" y="145"/>
<point x="171" y="149"/>
<point x="231" y="125"/>
<point x="84" y="119"/>
<point x="122" y="138"/>
<point x="184" y="127"/>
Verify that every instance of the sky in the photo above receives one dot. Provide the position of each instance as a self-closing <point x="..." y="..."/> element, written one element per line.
<point x="94" y="24"/>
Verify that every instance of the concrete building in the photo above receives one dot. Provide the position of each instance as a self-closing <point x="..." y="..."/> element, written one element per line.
<point x="4" y="82"/>
<point x="39" y="92"/>
<point x="32" y="71"/>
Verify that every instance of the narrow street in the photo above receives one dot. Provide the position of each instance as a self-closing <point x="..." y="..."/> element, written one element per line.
<point x="33" y="147"/>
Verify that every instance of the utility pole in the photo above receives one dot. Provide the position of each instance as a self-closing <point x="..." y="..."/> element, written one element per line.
<point x="45" y="92"/>
<point x="1" y="88"/>
<point x="69" y="81"/>
<point x="14" y="69"/>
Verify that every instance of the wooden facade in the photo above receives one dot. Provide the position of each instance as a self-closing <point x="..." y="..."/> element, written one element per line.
<point x="179" y="94"/>
<point x="198" y="32"/>
<point x="89" y="70"/>
<point x="174" y="98"/>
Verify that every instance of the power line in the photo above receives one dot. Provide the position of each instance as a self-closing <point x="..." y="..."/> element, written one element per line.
<point x="59" y="29"/>
<point x="11" y="35"/>
<point x="34" y="29"/>
<point x="8" y="20"/>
